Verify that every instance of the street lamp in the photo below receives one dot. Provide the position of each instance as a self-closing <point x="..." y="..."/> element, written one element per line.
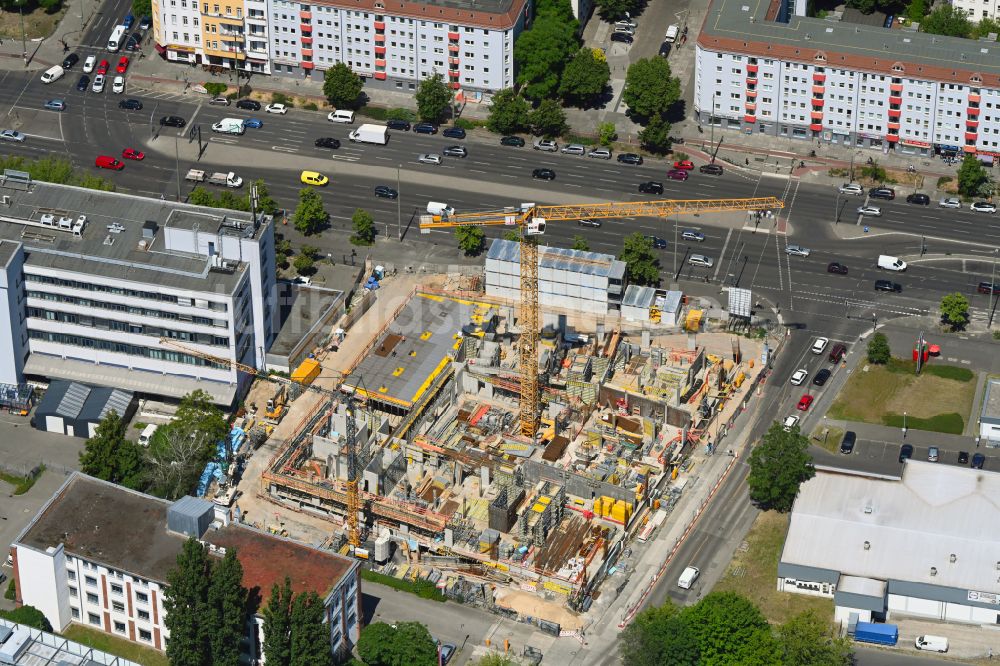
<point x="24" y="37"/>
<point x="993" y="289"/>
<point x="904" y="425"/>
<point x="399" y="215"/>
<point x="711" y="117"/>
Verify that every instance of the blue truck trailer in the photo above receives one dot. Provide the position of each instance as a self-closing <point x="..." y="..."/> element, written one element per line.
<point x="871" y="632"/>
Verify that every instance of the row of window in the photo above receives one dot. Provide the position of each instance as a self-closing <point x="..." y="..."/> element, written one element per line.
<point x="126" y="327"/>
<point x="130" y="309"/>
<point x="123" y="348"/>
<point x="131" y="293"/>
<point x="119" y="627"/>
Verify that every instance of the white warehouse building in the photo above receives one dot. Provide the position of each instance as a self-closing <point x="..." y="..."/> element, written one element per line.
<point x="926" y="545"/>
<point x="570" y="279"/>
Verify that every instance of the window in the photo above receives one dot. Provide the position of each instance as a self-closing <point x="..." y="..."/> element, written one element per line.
<point x="116" y="588"/>
<point x="120" y="627"/>
<point x="142" y="597"/>
<point x="94" y="619"/>
<point x="118" y="606"/>
<point x="76" y="612"/>
<point x="73" y="592"/>
<point x="91" y="581"/>
<point x="143" y="615"/>
<point x="92" y="598"/>
<point x="71" y="575"/>
<point x="145" y="635"/>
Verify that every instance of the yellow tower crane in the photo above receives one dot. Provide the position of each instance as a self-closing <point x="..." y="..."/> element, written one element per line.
<point x="530" y="219"/>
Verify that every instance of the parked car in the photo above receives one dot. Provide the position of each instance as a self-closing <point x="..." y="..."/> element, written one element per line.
<point x="790" y="422"/>
<point x="836" y="267"/>
<point x="454" y="133"/>
<point x="950" y="202"/>
<point x="397" y="124"/>
<point x="12" y="135"/>
<point x="589" y="223"/>
<point x="629" y="158"/>
<point x="89" y="63"/>
<point x="886" y="193"/>
<point x="651" y="187"/>
<point x="905" y="452"/>
<point x="280" y="109"/>
<point x="103" y="67"/>
<point x="822" y="377"/>
<point x="425" y="128"/>
<point x="118" y="85"/>
<point x="328" y="142"/>
<point x="988" y="288"/>
<point x="692" y="235"/>
<point x="919" y="199"/>
<point x="70" y="60"/>
<point x="55" y="105"/>
<point x="622" y="37"/>
<point x="600" y="154"/>
<point x="847" y="442"/>
<point x="963" y="457"/>
<point x="805" y="402"/>
<point x="543" y="174"/>
<point x="665" y="49"/>
<point x="248" y="104"/>
<point x="711" y="169"/>
<point x="983" y="207"/>
<point x="98" y="85"/>
<point x="687" y="165"/>
<point x="573" y="149"/>
<point x="545" y="145"/>
<point x="798" y="377"/>
<point x="851" y="188"/>
<point x="83" y="83"/>
<point x="145" y="23"/>
<point x="515" y="141"/>
<point x="219" y="101"/>
<point x="933" y="454"/>
<point x="677" y="174"/>
<point x="978" y="461"/>
<point x="122" y="65"/>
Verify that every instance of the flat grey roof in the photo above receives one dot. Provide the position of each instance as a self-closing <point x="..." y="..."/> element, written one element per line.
<point x="110" y="242"/>
<point x="639" y="297"/>
<point x="309" y="307"/>
<point x="73" y="400"/>
<point x="560" y="258"/>
<point x="744" y="21"/>
<point x="417" y="343"/>
<point x="991" y="402"/>
<point x="911" y="526"/>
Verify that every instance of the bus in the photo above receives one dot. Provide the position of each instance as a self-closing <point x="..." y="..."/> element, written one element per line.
<point x="117" y="37"/>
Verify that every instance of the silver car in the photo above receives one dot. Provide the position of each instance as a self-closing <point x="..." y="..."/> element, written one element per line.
<point x="692" y="235"/>
<point x="545" y="145"/>
<point x="950" y="202"/>
<point x="851" y="188"/>
<point x="455" y="151"/>
<point x="701" y="260"/>
<point x="429" y="158"/>
<point x="573" y="149"/>
<point x="870" y="211"/>
<point x="600" y="154"/>
<point x="797" y="251"/>
<point x="12" y="135"/>
<point x="98" y="84"/>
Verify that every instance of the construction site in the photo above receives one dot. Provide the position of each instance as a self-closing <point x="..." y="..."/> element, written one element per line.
<point x="495" y="449"/>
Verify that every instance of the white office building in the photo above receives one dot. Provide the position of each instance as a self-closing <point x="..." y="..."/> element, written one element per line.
<point x="834" y="82"/>
<point x="133" y="293"/>
<point x="98" y="555"/>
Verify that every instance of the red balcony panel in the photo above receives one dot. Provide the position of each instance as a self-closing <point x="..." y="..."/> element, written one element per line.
<point x="305" y="16"/>
<point x="969" y="149"/>
<point x="752" y="69"/>
<point x="819" y="90"/>
<point x="894" y="113"/>
<point x="816" y="115"/>
<point x="307" y="53"/>
<point x="380" y="25"/>
<point x="971" y="136"/>
<point x="379" y="50"/>
<point x="817" y="103"/>
<point x="895" y="99"/>
<point x="453" y="73"/>
<point x="751" y="80"/>
<point x="751" y="94"/>
<point x="380" y="39"/>
<point x="454" y="85"/>
<point x="307" y="65"/>
<point x="896" y="87"/>
<point x="453" y="36"/>
<point x="751" y="106"/>
<point x="749" y="119"/>
<point x="380" y="62"/>
<point x="306" y="40"/>
<point x="893" y="125"/>
<point x="971" y="125"/>
<point x="380" y="76"/>
<point x="892" y="138"/>
<point x="816" y="127"/>
<point x="975" y="99"/>
<point x="453" y="48"/>
<point x="819" y="78"/>
<point x="306" y="28"/>
<point x="973" y="111"/>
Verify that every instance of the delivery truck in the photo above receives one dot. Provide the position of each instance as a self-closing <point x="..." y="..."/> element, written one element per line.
<point x="377" y="134"/>
<point x="890" y="263"/>
<point x="873" y="632"/>
<point x="219" y="178"/>
<point x="229" y="126"/>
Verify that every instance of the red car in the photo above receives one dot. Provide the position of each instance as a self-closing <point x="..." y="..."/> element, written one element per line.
<point x="132" y="154"/>
<point x="677" y="174"/>
<point x="804" y="402"/>
<point x="108" y="162"/>
<point x="122" y="65"/>
<point x="687" y="165"/>
<point x="103" y="67"/>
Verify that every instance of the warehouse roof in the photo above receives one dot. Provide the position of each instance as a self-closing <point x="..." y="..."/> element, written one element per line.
<point x="75" y="401"/>
<point x="747" y="26"/>
<point x="558" y="258"/>
<point x="638" y="297"/>
<point x="991" y="403"/>
<point x="906" y="530"/>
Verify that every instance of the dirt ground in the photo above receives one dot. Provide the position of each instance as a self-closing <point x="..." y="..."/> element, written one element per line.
<point x="530" y="604"/>
<point x="36" y="24"/>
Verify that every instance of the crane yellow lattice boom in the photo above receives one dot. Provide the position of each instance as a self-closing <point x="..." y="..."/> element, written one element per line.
<point x="530" y="220"/>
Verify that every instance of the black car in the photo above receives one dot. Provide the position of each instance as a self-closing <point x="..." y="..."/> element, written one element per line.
<point x="665" y="49"/>
<point x="919" y="199"/>
<point x="172" y="121"/>
<point x="248" y="104"/>
<point x="906" y="452"/>
<point x="658" y="242"/>
<point x="396" y="124"/>
<point x="385" y="192"/>
<point x="821" y="377"/>
<point x="963" y="457"/>
<point x="425" y="128"/>
<point x="886" y="193"/>
<point x="145" y="23"/>
<point x="630" y="158"/>
<point x="978" y="460"/>
<point x="888" y="285"/>
<point x="544" y="174"/>
<point x="836" y="267"/>
<point x="711" y="169"/>
<point x="83" y="83"/>
<point x="622" y="37"/>
<point x="132" y="44"/>
<point x="454" y="133"/>
<point x="70" y="60"/>
<point x="512" y="141"/>
<point x="130" y="104"/>
<point x="847" y="443"/>
<point x="328" y="142"/>
<point x="651" y="187"/>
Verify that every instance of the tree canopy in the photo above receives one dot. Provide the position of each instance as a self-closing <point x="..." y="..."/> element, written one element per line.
<point x="972" y="176"/>
<point x="779" y="464"/>
<point x="612" y="10"/>
<point x="543" y="50"/>
<point x="309" y="637"/>
<point x="878" y="349"/>
<point x="585" y="77"/>
<point x="548" y="119"/>
<point x="508" y="112"/>
<point x="729" y="629"/>
<point x="433" y="98"/>
<point x="405" y="644"/>
<point x="658" y="636"/>
<point x="643" y="265"/>
<point x="110" y="456"/>
<point x="186" y="603"/>
<point x="310" y="215"/>
<point x="227" y="603"/>
<point x="341" y="86"/>
<point x="955" y="310"/>
<point x="947" y="20"/>
<point x="806" y="639"/>
<point x="470" y="239"/>
<point x="650" y="87"/>
<point x="364" y="227"/>
<point x="655" y="136"/>
<point x="277" y="616"/>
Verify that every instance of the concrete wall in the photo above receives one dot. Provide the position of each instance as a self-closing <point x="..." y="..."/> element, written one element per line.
<point x="13" y="329"/>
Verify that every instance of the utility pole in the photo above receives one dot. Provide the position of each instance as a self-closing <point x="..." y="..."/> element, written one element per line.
<point x="24" y="37"/>
<point x="993" y="289"/>
<point x="177" y="166"/>
<point x="399" y="214"/>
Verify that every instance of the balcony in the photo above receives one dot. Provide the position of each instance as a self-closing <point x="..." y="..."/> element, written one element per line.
<point x="752" y="94"/>
<point x="817" y="102"/>
<point x="454" y="85"/>
<point x="305" y="28"/>
<point x="816" y="127"/>
<point x="975" y="99"/>
<point x="380" y="50"/>
<point x="379" y="76"/>
<point x="894" y="113"/>
<point x="971" y="148"/>
<point x="749" y="119"/>
<point x="973" y="111"/>
<point x="379" y="39"/>
<point x="892" y="138"/>
<point x="380" y="62"/>
<point x="380" y="25"/>
<point x="751" y="106"/>
<point x="306" y="16"/>
<point x="307" y="53"/>
<point x="971" y="125"/>
<point x="894" y="125"/>
<point x="818" y="90"/>
<point x="895" y="88"/>
<point x="453" y="48"/>
<point x="971" y="136"/>
<point x="453" y="36"/>
<point x="819" y="78"/>
<point x="752" y="69"/>
<point x="453" y="73"/>
<point x="816" y="115"/>
<point x="751" y="80"/>
<point x="895" y="100"/>
<point x="306" y="40"/>
<point x="308" y="64"/>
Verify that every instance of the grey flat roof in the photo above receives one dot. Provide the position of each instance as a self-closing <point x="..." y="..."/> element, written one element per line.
<point x="559" y="258"/>
<point x="991" y="402"/>
<point x="311" y="303"/>
<point x="423" y="336"/>
<point x="911" y="526"/>
<point x="639" y="297"/>
<point x="72" y="400"/>
<point x="746" y="21"/>
<point x="101" y="251"/>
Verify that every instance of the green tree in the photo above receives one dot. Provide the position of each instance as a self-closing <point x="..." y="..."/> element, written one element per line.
<point x="946" y="20"/>
<point x="541" y="53"/>
<point x="607" y="133"/>
<point x="29" y="616"/>
<point x="342" y="87"/>
<point x="655" y="136"/>
<point x="778" y="466"/>
<point x="971" y="175"/>
<point x="585" y="77"/>
<point x="878" y="349"/>
<point x="110" y="456"/>
<point x="265" y="202"/>
<point x="548" y="120"/>
<point x="874" y="172"/>
<point x="400" y="113"/>
<point x="650" y="87"/>
<point x="186" y="603"/>
<point x="512" y="235"/>
<point x="470" y="239"/>
<point x="200" y="196"/>
<point x="364" y="227"/>
<point x="433" y="98"/>
<point x="559" y="10"/>
<point x="227" y="599"/>
<point x="90" y="182"/>
<point x="955" y="310"/>
<point x="807" y="639"/>
<point x="508" y="112"/>
<point x="659" y="636"/>
<point x="277" y="628"/>
<point x="51" y="170"/>
<point x="142" y="8"/>
<point x="916" y="10"/>
<point x="405" y="644"/>
<point x="179" y="451"/>
<point x="310" y="216"/>
<point x="309" y="637"/>
<point x="198" y="413"/>
<point x="643" y="266"/>
<point x="612" y="10"/>
<point x="863" y="6"/>
<point x="580" y="243"/>
<point x="729" y="629"/>
<point x="304" y="265"/>
<point x="231" y="201"/>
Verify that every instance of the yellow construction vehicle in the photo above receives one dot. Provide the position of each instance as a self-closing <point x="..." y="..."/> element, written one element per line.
<point x="530" y="220"/>
<point x="276" y="405"/>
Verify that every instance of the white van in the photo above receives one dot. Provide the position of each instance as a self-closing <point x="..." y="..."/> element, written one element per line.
<point x="341" y="116"/>
<point x="52" y="74"/>
<point x="688" y="577"/>
<point x="889" y="263"/>
<point x="931" y="643"/>
<point x="672" y="33"/>
<point x="440" y="209"/>
<point x="147" y="434"/>
<point x="116" y="39"/>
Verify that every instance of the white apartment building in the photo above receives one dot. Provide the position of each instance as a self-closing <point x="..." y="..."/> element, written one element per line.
<point x="98" y="554"/>
<point x="469" y="42"/>
<point x="977" y="10"/>
<point x="129" y="292"/>
<point x="847" y="84"/>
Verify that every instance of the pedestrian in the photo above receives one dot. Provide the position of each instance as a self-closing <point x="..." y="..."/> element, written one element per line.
<point x="989" y="653"/>
<point x="747" y="160"/>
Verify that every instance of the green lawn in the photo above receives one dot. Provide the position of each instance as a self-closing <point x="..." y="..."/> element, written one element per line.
<point x="753" y="572"/>
<point x="116" y="646"/>
<point x="939" y="399"/>
<point x="827" y="438"/>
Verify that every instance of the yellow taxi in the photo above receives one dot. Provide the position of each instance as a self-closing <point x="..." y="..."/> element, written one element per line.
<point x="314" y="178"/>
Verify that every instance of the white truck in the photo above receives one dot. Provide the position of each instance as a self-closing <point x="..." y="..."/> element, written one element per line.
<point x="440" y="209"/>
<point x="377" y="134"/>
<point x="230" y="126"/>
<point x="889" y="263"/>
<point x="218" y="178"/>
